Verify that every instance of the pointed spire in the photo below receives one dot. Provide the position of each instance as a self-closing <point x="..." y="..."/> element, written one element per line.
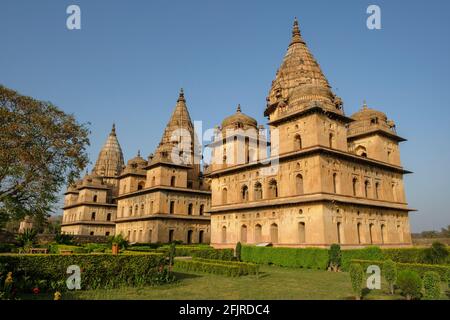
<point x="110" y="159"/>
<point x="364" y="107"/>
<point x="238" y="110"/>
<point x="139" y="153"/>
<point x="113" y="130"/>
<point x="296" y="36"/>
<point x="181" y="96"/>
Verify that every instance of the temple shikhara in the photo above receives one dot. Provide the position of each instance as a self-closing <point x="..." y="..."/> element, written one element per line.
<point x="320" y="177"/>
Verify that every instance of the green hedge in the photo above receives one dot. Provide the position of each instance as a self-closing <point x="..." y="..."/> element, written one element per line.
<point x="214" y="266"/>
<point x="311" y="258"/>
<point x="442" y="270"/>
<point x="97" y="271"/>
<point x="217" y="254"/>
<point x="368" y="253"/>
<point x="190" y="251"/>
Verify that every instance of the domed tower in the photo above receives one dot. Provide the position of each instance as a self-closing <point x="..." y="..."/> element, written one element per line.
<point x="133" y="175"/>
<point x="301" y="104"/>
<point x="237" y="141"/>
<point x="110" y="159"/>
<point x="373" y="135"/>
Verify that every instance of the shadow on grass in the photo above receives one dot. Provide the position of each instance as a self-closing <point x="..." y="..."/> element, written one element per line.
<point x="181" y="275"/>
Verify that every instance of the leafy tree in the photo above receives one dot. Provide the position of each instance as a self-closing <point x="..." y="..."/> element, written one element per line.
<point x="335" y="257"/>
<point x="61" y="238"/>
<point x="436" y="254"/>
<point x="119" y="240"/>
<point x="41" y="150"/>
<point x="410" y="284"/>
<point x="238" y="251"/>
<point x="356" y="277"/>
<point x="431" y="285"/>
<point x="390" y="274"/>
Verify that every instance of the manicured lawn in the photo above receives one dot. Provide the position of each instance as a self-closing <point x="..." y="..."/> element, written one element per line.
<point x="273" y="283"/>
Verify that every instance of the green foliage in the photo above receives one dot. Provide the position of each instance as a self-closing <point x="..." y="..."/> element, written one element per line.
<point x="431" y="286"/>
<point x="27" y="239"/>
<point x="238" y="251"/>
<point x="172" y="252"/>
<point x="119" y="240"/>
<point x="6" y="247"/>
<point x="410" y="284"/>
<point x="368" y="253"/>
<point x="356" y="277"/>
<point x="310" y="258"/>
<point x="95" y="247"/>
<point x="61" y="238"/>
<point x="57" y="248"/>
<point x="42" y="150"/>
<point x="97" y="271"/>
<point x="216" y="254"/>
<point x="390" y="274"/>
<point x="436" y="254"/>
<point x="227" y="268"/>
<point x="205" y="252"/>
<point x="335" y="257"/>
<point x="419" y="268"/>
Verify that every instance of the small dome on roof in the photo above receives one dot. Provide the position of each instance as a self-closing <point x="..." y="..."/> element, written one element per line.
<point x="137" y="161"/>
<point x="367" y="113"/>
<point x="239" y="118"/>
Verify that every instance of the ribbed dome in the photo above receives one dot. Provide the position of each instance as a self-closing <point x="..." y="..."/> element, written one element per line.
<point x="239" y="118"/>
<point x="110" y="159"/>
<point x="137" y="161"/>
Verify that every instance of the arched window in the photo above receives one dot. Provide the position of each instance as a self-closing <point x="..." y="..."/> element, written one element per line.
<point x="153" y="181"/>
<point x="301" y="232"/>
<point x="200" y="236"/>
<point x="299" y="184"/>
<point x="258" y="191"/>
<point x="297" y="142"/>
<point x="108" y="217"/>
<point x="93" y="216"/>
<point x="247" y="150"/>
<point x="273" y="189"/>
<point x="202" y="209"/>
<point x="366" y="188"/>
<point x="258" y="233"/>
<point x="371" y="233"/>
<point x="130" y="211"/>
<point x="335" y="183"/>
<point x="141" y="185"/>
<point x="224" y="196"/>
<point x="123" y="212"/>
<point x="244" y="233"/>
<point x="377" y="190"/>
<point x="358" y="230"/>
<point x="400" y="233"/>
<point x="189" y="236"/>
<point x="331" y="140"/>
<point x="383" y="234"/>
<point x="171" y="235"/>
<point x="244" y="193"/>
<point x="172" y="181"/>
<point x="355" y="186"/>
<point x="149" y="237"/>
<point x="224" y="234"/>
<point x="142" y="208"/>
<point x="339" y="232"/>
<point x="136" y="210"/>
<point x="394" y="192"/>
<point x="151" y="206"/>
<point x="274" y="233"/>
<point x="95" y="198"/>
<point x="190" y="209"/>
<point x="172" y="207"/>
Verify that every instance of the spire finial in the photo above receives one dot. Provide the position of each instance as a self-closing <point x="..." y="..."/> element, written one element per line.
<point x="364" y="105"/>
<point x="238" y="108"/>
<point x="181" y="96"/>
<point x="113" y="130"/>
<point x="139" y="153"/>
<point x="296" y="36"/>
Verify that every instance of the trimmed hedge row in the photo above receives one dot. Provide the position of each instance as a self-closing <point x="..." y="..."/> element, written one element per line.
<point x="248" y="268"/>
<point x="205" y="252"/>
<point x="232" y="269"/>
<point x="421" y="269"/>
<point x="97" y="271"/>
<point x="311" y="258"/>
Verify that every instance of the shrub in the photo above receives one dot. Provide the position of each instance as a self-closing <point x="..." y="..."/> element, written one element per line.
<point x="217" y="254"/>
<point x="61" y="238"/>
<point x="410" y="284"/>
<point x="390" y="274"/>
<point x="119" y="240"/>
<point x="368" y="253"/>
<point x="95" y="247"/>
<point x="419" y="268"/>
<point x="335" y="257"/>
<point x="436" y="254"/>
<point x="356" y="277"/>
<point x="238" y="251"/>
<point x="6" y="247"/>
<point x="431" y="286"/>
<point x="227" y="268"/>
<point x="27" y="239"/>
<point x="311" y="258"/>
<point x="48" y="272"/>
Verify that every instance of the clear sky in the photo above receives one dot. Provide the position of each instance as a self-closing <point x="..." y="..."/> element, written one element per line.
<point x="130" y="58"/>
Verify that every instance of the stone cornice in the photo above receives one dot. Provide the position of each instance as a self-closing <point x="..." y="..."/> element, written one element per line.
<point x="161" y="188"/>
<point x="88" y="222"/>
<point x="163" y="216"/>
<point x="90" y="204"/>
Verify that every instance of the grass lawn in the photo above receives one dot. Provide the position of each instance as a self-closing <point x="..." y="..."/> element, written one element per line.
<point x="273" y="283"/>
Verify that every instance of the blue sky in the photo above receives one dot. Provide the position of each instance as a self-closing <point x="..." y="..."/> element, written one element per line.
<point x="130" y="58"/>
